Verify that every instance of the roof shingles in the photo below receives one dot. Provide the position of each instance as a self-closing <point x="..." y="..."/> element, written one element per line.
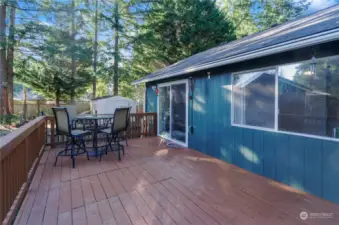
<point x="322" y="21"/>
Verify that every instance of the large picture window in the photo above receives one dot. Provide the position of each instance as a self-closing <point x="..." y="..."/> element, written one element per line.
<point x="300" y="98"/>
<point x="253" y="98"/>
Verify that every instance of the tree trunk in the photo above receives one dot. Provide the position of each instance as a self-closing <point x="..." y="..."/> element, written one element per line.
<point x="3" y="76"/>
<point x="57" y="97"/>
<point x="38" y="107"/>
<point x="73" y="56"/>
<point x="116" y="49"/>
<point x="95" y="50"/>
<point x="25" y="104"/>
<point x="10" y="60"/>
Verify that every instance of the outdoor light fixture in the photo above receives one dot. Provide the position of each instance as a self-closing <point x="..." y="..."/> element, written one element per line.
<point x="155" y="89"/>
<point x="313" y="68"/>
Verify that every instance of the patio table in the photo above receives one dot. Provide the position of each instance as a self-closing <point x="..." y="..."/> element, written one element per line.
<point x="95" y="119"/>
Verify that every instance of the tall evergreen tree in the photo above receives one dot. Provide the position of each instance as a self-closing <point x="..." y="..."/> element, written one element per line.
<point x="3" y="72"/>
<point x="49" y="68"/>
<point x="240" y="12"/>
<point x="10" y="56"/>
<point x="250" y="16"/>
<point x="176" y="29"/>
<point x="274" y="12"/>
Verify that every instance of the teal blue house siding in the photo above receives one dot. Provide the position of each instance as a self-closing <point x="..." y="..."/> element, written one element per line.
<point x="308" y="164"/>
<point x="151" y="100"/>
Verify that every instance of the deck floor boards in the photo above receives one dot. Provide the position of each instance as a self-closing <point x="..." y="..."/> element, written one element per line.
<point x="155" y="185"/>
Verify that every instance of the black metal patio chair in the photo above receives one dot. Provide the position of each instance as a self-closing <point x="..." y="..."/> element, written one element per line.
<point x="75" y="137"/>
<point x="122" y="136"/>
<point x="119" y="125"/>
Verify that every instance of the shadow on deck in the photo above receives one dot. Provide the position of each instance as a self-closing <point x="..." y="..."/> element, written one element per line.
<point x="157" y="185"/>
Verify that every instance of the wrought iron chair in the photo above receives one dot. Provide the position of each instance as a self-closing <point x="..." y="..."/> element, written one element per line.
<point x="75" y="137"/>
<point x="122" y="136"/>
<point x="119" y="124"/>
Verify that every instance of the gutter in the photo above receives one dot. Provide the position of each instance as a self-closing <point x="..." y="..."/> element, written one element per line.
<point x="314" y="39"/>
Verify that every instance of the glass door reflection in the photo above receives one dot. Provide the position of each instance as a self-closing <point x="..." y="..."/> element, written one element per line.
<point x="164" y="111"/>
<point x="178" y="112"/>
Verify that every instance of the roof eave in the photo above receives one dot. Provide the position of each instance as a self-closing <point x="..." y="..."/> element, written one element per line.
<point x="318" y="38"/>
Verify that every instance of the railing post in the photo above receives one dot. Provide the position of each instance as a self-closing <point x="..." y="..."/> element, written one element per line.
<point x="155" y="123"/>
<point x="2" y="211"/>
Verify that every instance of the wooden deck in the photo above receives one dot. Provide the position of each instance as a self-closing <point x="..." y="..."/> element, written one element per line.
<point x="157" y="185"/>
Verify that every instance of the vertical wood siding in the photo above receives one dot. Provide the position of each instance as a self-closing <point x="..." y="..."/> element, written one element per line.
<point x="308" y="164"/>
<point x="151" y="100"/>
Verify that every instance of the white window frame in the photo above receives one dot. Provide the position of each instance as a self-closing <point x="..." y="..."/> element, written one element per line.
<point x="169" y="84"/>
<point x="276" y="121"/>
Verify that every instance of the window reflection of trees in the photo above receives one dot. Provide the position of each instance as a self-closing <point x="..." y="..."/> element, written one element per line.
<point x="308" y="100"/>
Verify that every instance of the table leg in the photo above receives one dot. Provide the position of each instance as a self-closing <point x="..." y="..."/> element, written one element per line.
<point x="95" y="138"/>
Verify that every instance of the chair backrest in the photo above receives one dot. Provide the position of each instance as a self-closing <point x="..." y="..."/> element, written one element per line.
<point x="62" y="120"/>
<point x="72" y="111"/>
<point x="120" y="120"/>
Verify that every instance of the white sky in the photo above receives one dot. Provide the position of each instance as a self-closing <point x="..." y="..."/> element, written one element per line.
<point x="321" y="4"/>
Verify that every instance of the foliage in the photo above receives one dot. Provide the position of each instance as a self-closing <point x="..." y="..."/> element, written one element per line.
<point x="240" y="14"/>
<point x="53" y="52"/>
<point x="55" y="43"/>
<point x="319" y="76"/>
<point x="9" y="119"/>
<point x="176" y="29"/>
<point x="278" y="11"/>
<point x="250" y="16"/>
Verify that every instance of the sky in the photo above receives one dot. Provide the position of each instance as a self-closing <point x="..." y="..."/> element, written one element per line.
<point x="321" y="4"/>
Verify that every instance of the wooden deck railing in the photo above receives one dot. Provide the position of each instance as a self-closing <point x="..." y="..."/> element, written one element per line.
<point x="141" y="125"/>
<point x="20" y="152"/>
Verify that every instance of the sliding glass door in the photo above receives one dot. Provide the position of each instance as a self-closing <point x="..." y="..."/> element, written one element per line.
<point x="164" y="111"/>
<point x="172" y="113"/>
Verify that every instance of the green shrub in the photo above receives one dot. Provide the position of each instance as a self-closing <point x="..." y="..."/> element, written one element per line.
<point x="9" y="119"/>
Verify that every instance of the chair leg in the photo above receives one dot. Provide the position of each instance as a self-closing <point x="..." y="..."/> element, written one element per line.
<point x="123" y="150"/>
<point x="63" y="151"/>
<point x="56" y="159"/>
<point x="72" y="153"/>
<point x="119" y="155"/>
<point x="83" y="144"/>
<point x="107" y="143"/>
<point x="78" y="149"/>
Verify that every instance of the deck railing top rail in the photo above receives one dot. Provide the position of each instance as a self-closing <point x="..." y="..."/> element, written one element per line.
<point x="10" y="141"/>
<point x="20" y="152"/>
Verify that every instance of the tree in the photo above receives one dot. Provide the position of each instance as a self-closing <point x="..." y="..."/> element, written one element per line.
<point x="95" y="56"/>
<point x="241" y="15"/>
<point x="176" y="29"/>
<point x="49" y="70"/>
<point x="250" y="16"/>
<point x="116" y="26"/>
<point x="274" y="12"/>
<point x="122" y="17"/>
<point x="3" y="72"/>
<point x="10" y="57"/>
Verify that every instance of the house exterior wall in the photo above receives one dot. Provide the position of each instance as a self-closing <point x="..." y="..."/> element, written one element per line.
<point x="306" y="163"/>
<point x="151" y="100"/>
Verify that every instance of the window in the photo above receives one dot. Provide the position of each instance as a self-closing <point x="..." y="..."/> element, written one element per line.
<point x="300" y="98"/>
<point x="309" y="97"/>
<point x="253" y="98"/>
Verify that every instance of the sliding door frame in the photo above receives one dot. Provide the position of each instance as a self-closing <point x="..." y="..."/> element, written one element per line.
<point x="169" y="84"/>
